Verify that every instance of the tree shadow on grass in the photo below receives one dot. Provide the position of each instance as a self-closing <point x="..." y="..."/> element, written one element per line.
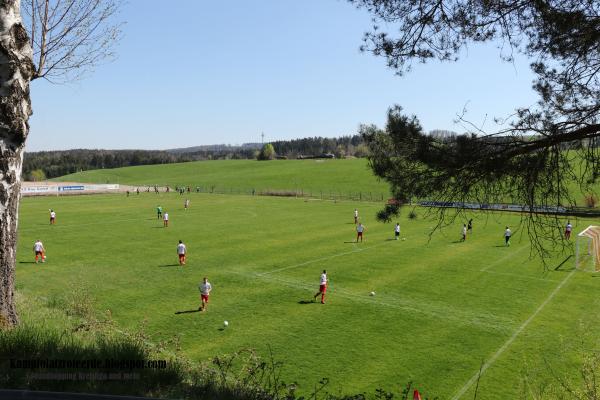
<point x="563" y="263"/>
<point x="26" y="262"/>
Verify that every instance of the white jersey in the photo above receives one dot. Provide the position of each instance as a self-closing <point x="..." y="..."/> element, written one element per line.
<point x="53" y="215"/>
<point x="181" y="248"/>
<point x="166" y="216"/>
<point x="323" y="279"/>
<point x="356" y="213"/>
<point x="507" y="233"/>
<point x="464" y="230"/>
<point x="569" y="227"/>
<point x="397" y="229"/>
<point x="205" y="288"/>
<point x="38" y="247"/>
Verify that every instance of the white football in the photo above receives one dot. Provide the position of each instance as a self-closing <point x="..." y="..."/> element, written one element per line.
<point x="372" y="294"/>
<point x="225" y="323"/>
<point x="403" y="238"/>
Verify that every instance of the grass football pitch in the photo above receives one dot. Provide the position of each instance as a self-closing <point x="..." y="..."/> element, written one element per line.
<point x="442" y="309"/>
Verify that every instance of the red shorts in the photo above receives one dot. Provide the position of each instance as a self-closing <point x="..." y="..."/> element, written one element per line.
<point x="359" y="234"/>
<point x="322" y="288"/>
<point x="182" y="257"/>
<point x="39" y="253"/>
<point x="204" y="298"/>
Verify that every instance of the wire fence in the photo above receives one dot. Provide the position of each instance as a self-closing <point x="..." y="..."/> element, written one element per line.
<point x="303" y="193"/>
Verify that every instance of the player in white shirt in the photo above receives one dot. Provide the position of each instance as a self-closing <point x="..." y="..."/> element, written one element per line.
<point x="322" y="287"/>
<point x="38" y="249"/>
<point x="186" y="204"/>
<point x="360" y="228"/>
<point x="52" y="217"/>
<point x="355" y="216"/>
<point x="181" y="252"/>
<point x="507" y="235"/>
<point x="166" y="219"/>
<point x="397" y="231"/>
<point x="464" y="232"/>
<point x="568" y="230"/>
<point x="205" y="289"/>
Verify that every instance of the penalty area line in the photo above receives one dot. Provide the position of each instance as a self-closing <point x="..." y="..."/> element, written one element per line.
<point x="510" y="340"/>
<point x="506" y="257"/>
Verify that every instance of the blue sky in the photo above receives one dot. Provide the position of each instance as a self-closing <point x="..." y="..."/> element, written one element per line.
<point x="196" y="72"/>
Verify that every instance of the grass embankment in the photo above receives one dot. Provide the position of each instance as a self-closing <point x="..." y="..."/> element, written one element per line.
<point x="327" y="176"/>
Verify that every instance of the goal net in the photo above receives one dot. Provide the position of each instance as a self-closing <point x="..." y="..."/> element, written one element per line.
<point x="587" y="250"/>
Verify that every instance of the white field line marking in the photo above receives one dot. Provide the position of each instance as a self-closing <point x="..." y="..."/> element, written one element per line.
<point x="487" y="321"/>
<point x="522" y="276"/>
<point x="319" y="259"/>
<point x="506" y="257"/>
<point x="510" y="340"/>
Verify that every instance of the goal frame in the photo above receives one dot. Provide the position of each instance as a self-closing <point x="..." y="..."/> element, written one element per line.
<point x="591" y="237"/>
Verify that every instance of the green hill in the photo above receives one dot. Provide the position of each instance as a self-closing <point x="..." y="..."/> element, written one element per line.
<point x="340" y="176"/>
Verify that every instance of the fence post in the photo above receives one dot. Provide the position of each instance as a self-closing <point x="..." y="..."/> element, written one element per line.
<point x="360" y="195"/>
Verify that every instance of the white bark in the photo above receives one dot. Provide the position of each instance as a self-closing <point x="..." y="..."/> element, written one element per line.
<point x="16" y="69"/>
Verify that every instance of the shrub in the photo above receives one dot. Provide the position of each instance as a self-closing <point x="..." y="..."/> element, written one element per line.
<point x="266" y="153"/>
<point x="412" y="214"/>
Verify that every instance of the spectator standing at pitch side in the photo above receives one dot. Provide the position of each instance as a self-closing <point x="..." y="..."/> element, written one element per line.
<point x="507" y="235"/>
<point x="181" y="252"/>
<point x="205" y="289"/>
<point x="322" y="287"/>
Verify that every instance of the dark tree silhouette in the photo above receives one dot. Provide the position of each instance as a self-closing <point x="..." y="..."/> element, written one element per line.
<point x="544" y="153"/>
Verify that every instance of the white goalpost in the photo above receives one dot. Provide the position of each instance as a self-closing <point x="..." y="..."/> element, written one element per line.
<point x="587" y="250"/>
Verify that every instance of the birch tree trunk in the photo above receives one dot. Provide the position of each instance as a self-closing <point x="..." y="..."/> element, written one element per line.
<point x="16" y="69"/>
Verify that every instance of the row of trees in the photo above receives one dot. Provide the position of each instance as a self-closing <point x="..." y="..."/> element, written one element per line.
<point x="50" y="164"/>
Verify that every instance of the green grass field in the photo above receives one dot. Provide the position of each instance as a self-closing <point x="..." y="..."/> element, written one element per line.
<point x="441" y="307"/>
<point x="341" y="176"/>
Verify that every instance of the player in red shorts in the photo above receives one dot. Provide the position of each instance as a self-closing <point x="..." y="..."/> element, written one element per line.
<point x="568" y="230"/>
<point x="181" y="251"/>
<point x="360" y="228"/>
<point x="322" y="287"/>
<point x="39" y="250"/>
<point x="205" y="288"/>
